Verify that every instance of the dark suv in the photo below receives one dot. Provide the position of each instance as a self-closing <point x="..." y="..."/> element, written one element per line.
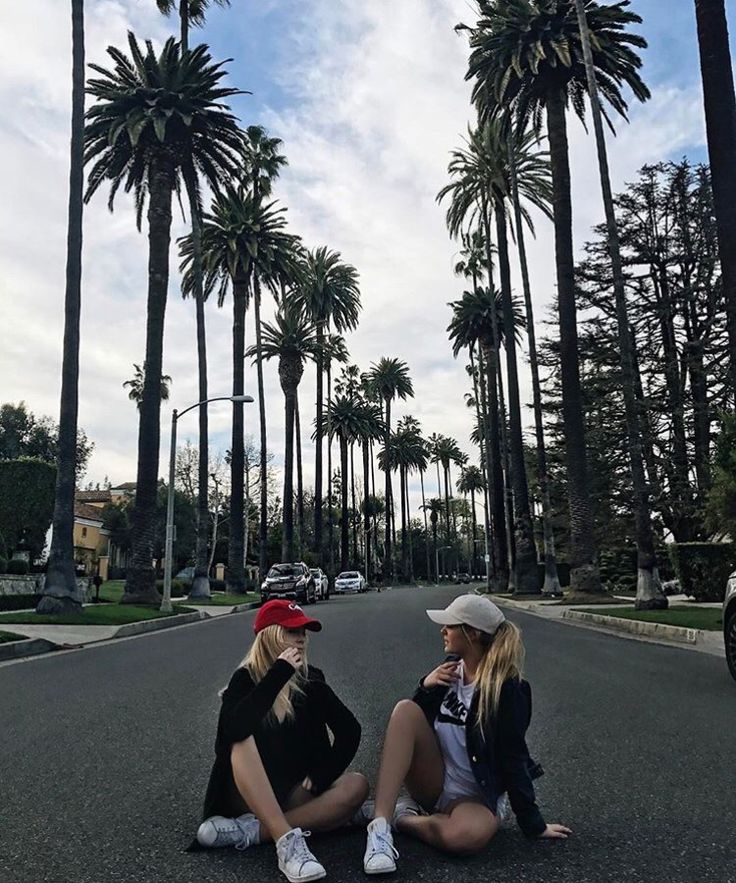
<point x="292" y="581"/>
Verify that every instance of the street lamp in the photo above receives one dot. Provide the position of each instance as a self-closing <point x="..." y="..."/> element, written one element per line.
<point x="175" y="415"/>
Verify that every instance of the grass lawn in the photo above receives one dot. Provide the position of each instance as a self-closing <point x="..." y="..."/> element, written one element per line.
<point x="107" y="614"/>
<point x="6" y="637"/>
<point x="221" y="599"/>
<point x="707" y="618"/>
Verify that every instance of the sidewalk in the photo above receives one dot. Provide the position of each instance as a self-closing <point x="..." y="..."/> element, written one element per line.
<point x="44" y="638"/>
<point x="669" y="635"/>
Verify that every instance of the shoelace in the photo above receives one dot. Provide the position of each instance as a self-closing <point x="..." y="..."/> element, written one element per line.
<point x="245" y="839"/>
<point x="299" y="850"/>
<point x="380" y="842"/>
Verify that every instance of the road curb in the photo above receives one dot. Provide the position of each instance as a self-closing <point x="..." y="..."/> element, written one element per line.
<point x="154" y="625"/>
<point x="673" y="633"/>
<point x="27" y="647"/>
<point x="241" y="608"/>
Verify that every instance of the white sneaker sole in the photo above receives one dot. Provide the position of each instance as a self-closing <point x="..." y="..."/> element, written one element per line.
<point x="376" y="871"/>
<point x="318" y="875"/>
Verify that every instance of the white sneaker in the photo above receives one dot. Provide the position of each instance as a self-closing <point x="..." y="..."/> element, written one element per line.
<point x="365" y="814"/>
<point x="241" y="833"/>
<point x="405" y="806"/>
<point x="380" y="852"/>
<point x="503" y="808"/>
<point x="295" y="859"/>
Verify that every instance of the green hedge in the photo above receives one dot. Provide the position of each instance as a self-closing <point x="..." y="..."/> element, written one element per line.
<point x="27" y="490"/>
<point x="17" y="567"/>
<point x="3" y="565"/>
<point x="218" y="585"/>
<point x="703" y="568"/>
<point x="19" y="602"/>
<point x="178" y="588"/>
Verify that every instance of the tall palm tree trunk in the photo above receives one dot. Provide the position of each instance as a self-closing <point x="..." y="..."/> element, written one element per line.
<point x="404" y="548"/>
<point x="426" y="526"/>
<point x="299" y="477"/>
<point x="263" y="533"/>
<point x="287" y="540"/>
<point x="184" y="21"/>
<point x="330" y="513"/>
<point x="140" y="585"/>
<point x="408" y="531"/>
<point x="60" y="593"/>
<point x="720" y="124"/>
<point x="367" y="520"/>
<point x="319" y="424"/>
<point x="526" y="557"/>
<point x="584" y="573"/>
<point x="474" y="526"/>
<point x="353" y="519"/>
<point x="551" y="584"/>
<point x="236" y="546"/>
<point x="344" y="526"/>
<point x="388" y="560"/>
<point x="649" y="594"/>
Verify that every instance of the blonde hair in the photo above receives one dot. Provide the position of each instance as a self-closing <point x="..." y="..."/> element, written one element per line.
<point x="503" y="659"/>
<point x="268" y="645"/>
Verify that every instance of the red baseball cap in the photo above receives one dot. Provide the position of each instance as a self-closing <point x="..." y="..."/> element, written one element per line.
<point x="285" y="613"/>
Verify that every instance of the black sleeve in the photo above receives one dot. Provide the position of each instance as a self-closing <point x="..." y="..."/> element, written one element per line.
<point x="345" y="730"/>
<point x="513" y="758"/>
<point x="245" y="704"/>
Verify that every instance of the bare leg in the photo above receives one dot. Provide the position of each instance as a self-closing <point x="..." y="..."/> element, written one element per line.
<point x="254" y="786"/>
<point x="410" y="754"/>
<point x="330" y="810"/>
<point x="467" y="828"/>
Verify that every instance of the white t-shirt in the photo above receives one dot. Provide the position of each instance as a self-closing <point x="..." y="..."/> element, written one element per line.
<point x="450" y="729"/>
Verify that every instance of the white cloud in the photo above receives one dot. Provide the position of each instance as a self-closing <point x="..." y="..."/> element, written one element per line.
<point x="377" y="102"/>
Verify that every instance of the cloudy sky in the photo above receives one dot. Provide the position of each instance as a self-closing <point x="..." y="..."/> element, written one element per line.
<point x="369" y="99"/>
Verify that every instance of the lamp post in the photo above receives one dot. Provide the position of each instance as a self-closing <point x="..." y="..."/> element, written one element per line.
<point x="175" y="415"/>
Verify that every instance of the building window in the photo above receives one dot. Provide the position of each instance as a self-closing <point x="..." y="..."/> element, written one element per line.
<point x="84" y="531"/>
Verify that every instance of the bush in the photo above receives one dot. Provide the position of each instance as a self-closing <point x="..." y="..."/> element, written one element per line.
<point x="18" y="602"/>
<point x="27" y="490"/>
<point x="17" y="567"/>
<point x="703" y="568"/>
<point x="218" y="585"/>
<point x="3" y="565"/>
<point x="116" y="573"/>
<point x="178" y="588"/>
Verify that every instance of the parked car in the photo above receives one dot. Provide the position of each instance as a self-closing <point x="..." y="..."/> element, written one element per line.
<point x="349" y="581"/>
<point x="321" y="583"/>
<point x="289" y="581"/>
<point x="462" y="578"/>
<point x="186" y="576"/>
<point x="729" y="624"/>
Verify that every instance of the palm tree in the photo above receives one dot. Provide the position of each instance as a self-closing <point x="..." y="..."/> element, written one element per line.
<point x="262" y="163"/>
<point x="649" y="594"/>
<point x="334" y="349"/>
<point x="434" y="507"/>
<point x="330" y="296"/>
<point x="291" y="338"/>
<point x="720" y="124"/>
<point x="446" y="452"/>
<point x="471" y="482"/>
<point x="526" y="55"/>
<point x="372" y="429"/>
<point x="60" y="593"/>
<point x="346" y="415"/>
<point x="157" y="121"/>
<point x="191" y="13"/>
<point x="241" y="237"/>
<point x="136" y="382"/>
<point x="390" y="379"/>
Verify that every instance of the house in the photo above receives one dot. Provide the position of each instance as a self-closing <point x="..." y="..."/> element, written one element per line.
<point x="93" y="550"/>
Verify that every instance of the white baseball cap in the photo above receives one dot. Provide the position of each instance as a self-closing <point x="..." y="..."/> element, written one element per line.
<point x="473" y="610"/>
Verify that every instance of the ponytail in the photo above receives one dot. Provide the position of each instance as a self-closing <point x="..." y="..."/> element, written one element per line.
<point x="503" y="659"/>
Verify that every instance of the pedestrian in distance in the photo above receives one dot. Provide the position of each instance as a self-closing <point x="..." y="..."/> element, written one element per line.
<point x="459" y="745"/>
<point x="277" y="776"/>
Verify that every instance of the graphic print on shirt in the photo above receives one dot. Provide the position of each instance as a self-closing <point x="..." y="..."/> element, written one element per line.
<point x="453" y="710"/>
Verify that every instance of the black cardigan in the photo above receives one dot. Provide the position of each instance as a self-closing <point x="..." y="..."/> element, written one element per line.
<point x="497" y="751"/>
<point x="290" y="751"/>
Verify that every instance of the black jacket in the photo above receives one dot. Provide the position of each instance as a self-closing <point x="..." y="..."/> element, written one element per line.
<point x="497" y="750"/>
<point x="290" y="751"/>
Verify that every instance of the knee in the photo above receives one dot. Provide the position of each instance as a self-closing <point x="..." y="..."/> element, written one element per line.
<point x="353" y="790"/>
<point x="465" y="842"/>
<point x="405" y="708"/>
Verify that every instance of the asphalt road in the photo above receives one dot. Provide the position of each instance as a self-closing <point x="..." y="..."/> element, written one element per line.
<point x="106" y="753"/>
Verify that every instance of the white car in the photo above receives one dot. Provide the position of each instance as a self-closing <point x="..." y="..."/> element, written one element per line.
<point x="321" y="583"/>
<point x="350" y="581"/>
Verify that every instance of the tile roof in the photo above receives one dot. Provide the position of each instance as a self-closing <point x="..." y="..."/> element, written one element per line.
<point x="89" y="513"/>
